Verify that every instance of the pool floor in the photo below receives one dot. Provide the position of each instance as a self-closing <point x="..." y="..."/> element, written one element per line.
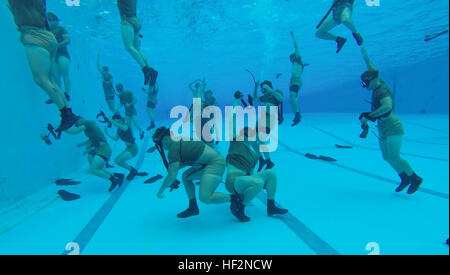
<point x="343" y="207"/>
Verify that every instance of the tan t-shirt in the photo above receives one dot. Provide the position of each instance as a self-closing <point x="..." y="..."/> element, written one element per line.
<point x="186" y="152"/>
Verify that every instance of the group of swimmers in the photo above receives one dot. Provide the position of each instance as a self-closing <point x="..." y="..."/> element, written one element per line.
<point x="45" y="47"/>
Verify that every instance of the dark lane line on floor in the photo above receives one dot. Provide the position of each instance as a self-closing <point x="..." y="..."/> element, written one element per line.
<point x="422" y="189"/>
<point x="83" y="238"/>
<point x="375" y="149"/>
<point x="427" y="127"/>
<point x="311" y="239"/>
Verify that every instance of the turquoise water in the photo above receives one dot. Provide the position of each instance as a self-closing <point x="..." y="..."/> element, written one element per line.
<point x="334" y="207"/>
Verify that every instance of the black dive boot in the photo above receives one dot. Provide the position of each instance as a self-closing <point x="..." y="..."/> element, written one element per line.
<point x="132" y="174"/>
<point x="238" y="209"/>
<point x="297" y="119"/>
<point x="273" y="210"/>
<point x="416" y="181"/>
<point x="405" y="182"/>
<point x="68" y="119"/>
<point x="116" y="180"/>
<point x="191" y="211"/>
<point x="340" y="43"/>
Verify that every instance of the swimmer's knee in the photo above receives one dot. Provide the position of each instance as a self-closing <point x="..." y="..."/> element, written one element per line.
<point x="205" y="198"/>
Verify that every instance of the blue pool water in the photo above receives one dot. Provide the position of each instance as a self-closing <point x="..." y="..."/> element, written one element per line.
<point x="334" y="207"/>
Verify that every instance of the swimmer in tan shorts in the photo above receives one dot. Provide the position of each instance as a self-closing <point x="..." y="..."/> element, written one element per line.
<point x="130" y="27"/>
<point x="242" y="159"/>
<point x="40" y="49"/>
<point x="125" y="134"/>
<point x="390" y="127"/>
<point x="296" y="80"/>
<point x="342" y="14"/>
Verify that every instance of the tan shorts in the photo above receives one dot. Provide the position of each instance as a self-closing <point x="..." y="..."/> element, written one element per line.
<point x="216" y="166"/>
<point x="133" y="22"/>
<point x="39" y="37"/>
<point x="390" y="127"/>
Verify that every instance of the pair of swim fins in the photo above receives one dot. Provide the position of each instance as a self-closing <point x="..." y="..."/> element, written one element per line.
<point x="67" y="196"/>
<point x="324" y="158"/>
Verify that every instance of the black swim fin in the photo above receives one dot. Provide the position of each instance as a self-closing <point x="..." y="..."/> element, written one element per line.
<point x="152" y="149"/>
<point x="66" y="196"/>
<point x="68" y="182"/>
<point x="142" y="174"/>
<point x="153" y="179"/>
<point x="311" y="156"/>
<point x="325" y="158"/>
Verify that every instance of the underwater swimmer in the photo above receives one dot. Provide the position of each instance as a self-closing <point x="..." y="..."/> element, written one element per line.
<point x="241" y="161"/>
<point x="206" y="165"/>
<point x="263" y="161"/>
<point x="130" y="27"/>
<point x="152" y="100"/>
<point x="40" y="49"/>
<point x="342" y="14"/>
<point x="125" y="134"/>
<point x="390" y="127"/>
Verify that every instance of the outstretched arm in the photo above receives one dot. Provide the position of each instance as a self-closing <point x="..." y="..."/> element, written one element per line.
<point x="121" y="126"/>
<point x="75" y="130"/>
<point x="367" y="60"/>
<point x="255" y="91"/>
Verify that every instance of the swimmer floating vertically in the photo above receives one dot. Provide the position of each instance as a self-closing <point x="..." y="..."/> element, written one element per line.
<point x="40" y="49"/>
<point x="130" y="27"/>
<point x="389" y="126"/>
